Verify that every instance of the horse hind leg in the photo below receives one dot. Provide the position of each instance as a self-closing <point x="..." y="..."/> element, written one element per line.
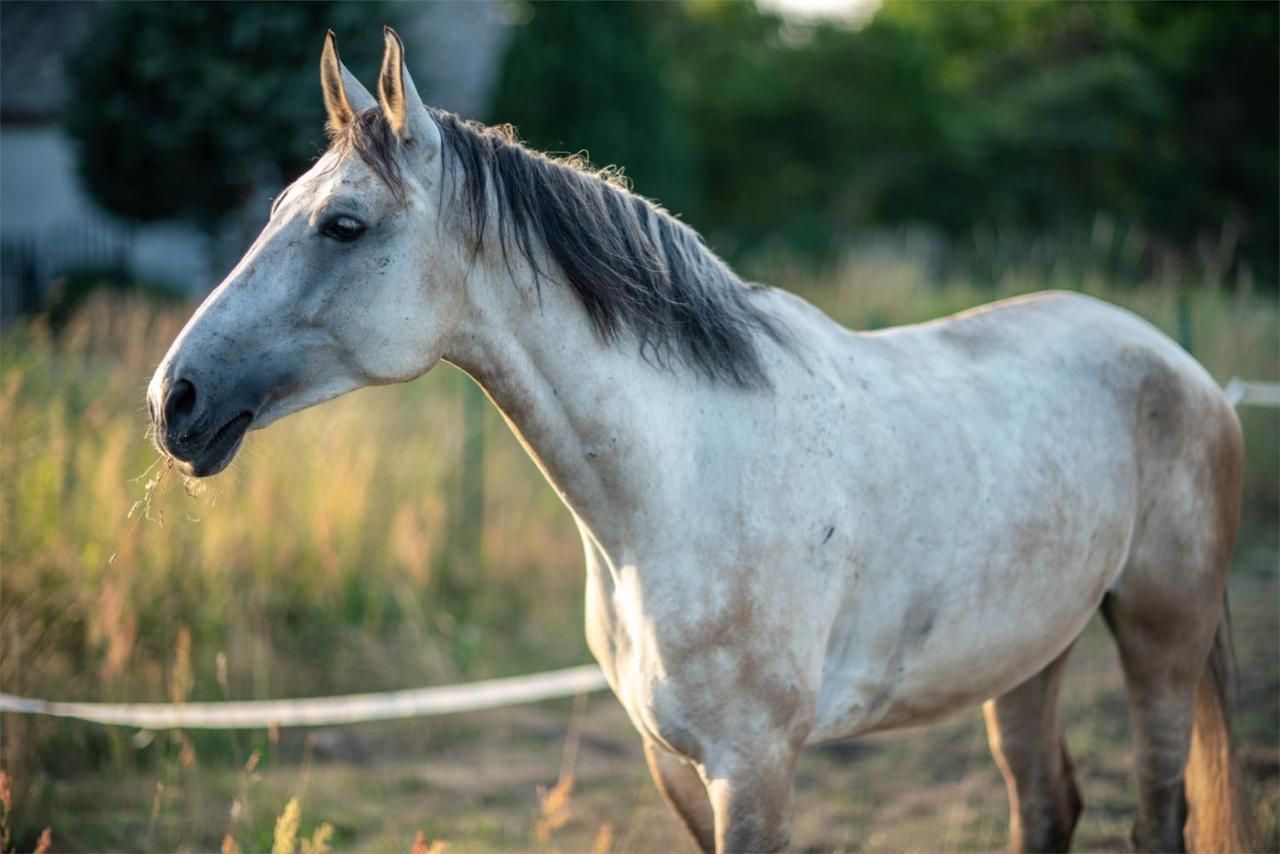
<point x="1026" y="741"/>
<point x="1162" y="666"/>
<point x="1190" y="792"/>
<point x="1164" y="612"/>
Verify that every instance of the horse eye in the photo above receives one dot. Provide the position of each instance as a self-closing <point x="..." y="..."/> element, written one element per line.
<point x="343" y="228"/>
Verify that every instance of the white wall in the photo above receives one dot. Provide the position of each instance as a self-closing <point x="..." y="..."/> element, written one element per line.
<point x="39" y="188"/>
<point x="42" y="199"/>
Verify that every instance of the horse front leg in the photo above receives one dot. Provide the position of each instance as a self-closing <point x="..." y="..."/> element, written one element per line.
<point x="1026" y="740"/>
<point x="684" y="792"/>
<point x="751" y="797"/>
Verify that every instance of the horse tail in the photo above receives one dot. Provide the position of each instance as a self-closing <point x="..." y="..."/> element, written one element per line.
<point x="1217" y="796"/>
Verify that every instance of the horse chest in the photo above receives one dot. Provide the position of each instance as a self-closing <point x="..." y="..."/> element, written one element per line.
<point x="697" y="665"/>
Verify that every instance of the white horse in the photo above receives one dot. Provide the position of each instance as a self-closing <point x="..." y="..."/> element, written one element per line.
<point x="794" y="533"/>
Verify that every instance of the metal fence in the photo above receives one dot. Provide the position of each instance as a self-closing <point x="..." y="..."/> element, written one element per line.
<point x="29" y="264"/>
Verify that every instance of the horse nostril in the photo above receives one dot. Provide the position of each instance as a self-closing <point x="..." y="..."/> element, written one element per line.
<point x="179" y="402"/>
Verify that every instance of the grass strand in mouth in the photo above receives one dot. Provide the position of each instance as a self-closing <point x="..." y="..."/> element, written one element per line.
<point x="141" y="509"/>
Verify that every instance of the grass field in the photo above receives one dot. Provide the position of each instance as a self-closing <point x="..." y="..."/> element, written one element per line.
<point x="399" y="537"/>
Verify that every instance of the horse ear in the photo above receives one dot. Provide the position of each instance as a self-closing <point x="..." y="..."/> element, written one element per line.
<point x="344" y="96"/>
<point x="401" y="105"/>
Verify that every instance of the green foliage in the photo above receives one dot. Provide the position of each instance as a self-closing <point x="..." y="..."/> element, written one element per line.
<point x="1161" y="114"/>
<point x="180" y="108"/>
<point x="963" y="116"/>
<point x="1033" y="116"/>
<point x="589" y="76"/>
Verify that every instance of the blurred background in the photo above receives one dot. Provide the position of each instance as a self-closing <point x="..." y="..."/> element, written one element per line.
<point x="890" y="162"/>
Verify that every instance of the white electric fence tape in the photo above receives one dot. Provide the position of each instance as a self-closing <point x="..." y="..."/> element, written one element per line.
<point x="393" y="705"/>
<point x="325" y="711"/>
<point x="1242" y="393"/>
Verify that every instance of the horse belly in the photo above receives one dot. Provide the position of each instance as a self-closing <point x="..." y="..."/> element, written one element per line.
<point x="920" y="673"/>
<point x="968" y="603"/>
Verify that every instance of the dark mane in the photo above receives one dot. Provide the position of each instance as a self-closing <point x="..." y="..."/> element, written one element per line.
<point x="632" y="265"/>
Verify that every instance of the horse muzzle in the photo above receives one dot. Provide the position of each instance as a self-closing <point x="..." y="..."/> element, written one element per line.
<point x="195" y="426"/>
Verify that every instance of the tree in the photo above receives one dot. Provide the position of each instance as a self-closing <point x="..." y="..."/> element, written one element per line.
<point x="587" y="76"/>
<point x="177" y="109"/>
<point x="1030" y="116"/>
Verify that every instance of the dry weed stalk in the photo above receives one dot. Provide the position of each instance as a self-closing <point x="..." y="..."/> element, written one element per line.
<point x="285" y="840"/>
<point x="319" y="841"/>
<point x="181" y="680"/>
<point x="604" y="839"/>
<point x="6" y="809"/>
<point x="248" y="776"/>
<point x="553" y="804"/>
<point x="420" y="845"/>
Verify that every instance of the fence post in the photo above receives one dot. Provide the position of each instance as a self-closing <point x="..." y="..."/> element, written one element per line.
<point x="471" y="505"/>
<point x="1184" y="321"/>
<point x="459" y="561"/>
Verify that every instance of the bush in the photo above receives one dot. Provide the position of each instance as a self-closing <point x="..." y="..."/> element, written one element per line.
<point x="182" y="108"/>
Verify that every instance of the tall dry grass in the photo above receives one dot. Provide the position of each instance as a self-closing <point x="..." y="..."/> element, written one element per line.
<point x="326" y="559"/>
<point x="321" y="562"/>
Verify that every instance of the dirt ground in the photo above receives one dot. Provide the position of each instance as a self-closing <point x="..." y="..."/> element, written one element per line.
<point x="481" y="782"/>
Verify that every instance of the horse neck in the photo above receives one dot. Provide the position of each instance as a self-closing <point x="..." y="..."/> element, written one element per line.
<point x="587" y="412"/>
